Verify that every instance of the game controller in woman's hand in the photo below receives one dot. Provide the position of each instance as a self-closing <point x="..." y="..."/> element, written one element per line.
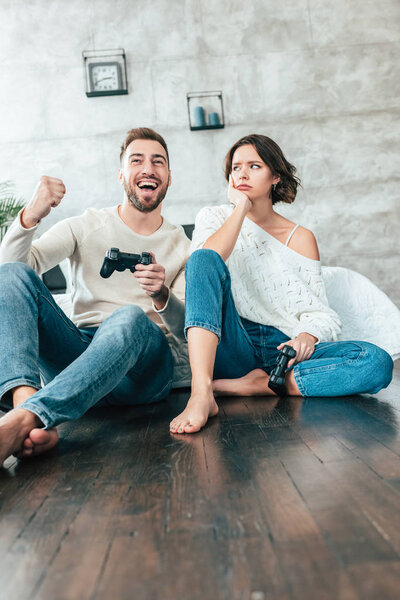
<point x="277" y="375"/>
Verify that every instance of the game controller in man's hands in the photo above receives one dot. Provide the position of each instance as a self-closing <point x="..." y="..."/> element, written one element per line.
<point x="277" y="375"/>
<point x="119" y="261"/>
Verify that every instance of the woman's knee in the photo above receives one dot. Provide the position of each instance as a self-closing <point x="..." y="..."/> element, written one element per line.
<point x="204" y="259"/>
<point x="380" y="366"/>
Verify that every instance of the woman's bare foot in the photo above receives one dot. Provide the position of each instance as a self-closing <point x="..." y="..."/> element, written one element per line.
<point x="38" y="441"/>
<point x="15" y="427"/>
<point x="200" y="407"/>
<point x="254" y="383"/>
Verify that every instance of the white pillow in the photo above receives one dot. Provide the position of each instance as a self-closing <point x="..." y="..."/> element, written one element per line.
<point x="366" y="312"/>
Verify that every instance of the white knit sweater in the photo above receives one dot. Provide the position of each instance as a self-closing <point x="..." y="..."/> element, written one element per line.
<point x="271" y="283"/>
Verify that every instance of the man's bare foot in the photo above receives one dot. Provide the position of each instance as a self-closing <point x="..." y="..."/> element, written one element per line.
<point x="15" y="427"/>
<point x="200" y="407"/>
<point x="38" y="441"/>
<point x="254" y="383"/>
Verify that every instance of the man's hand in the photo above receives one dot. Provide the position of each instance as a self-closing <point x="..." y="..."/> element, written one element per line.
<point x="48" y="193"/>
<point x="152" y="281"/>
<point x="304" y="344"/>
<point x="238" y="198"/>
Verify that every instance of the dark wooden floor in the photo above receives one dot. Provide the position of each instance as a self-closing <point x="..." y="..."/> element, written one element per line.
<point x="287" y="499"/>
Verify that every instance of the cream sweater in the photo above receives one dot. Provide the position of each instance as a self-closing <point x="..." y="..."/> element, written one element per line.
<point x="271" y="283"/>
<point x="84" y="240"/>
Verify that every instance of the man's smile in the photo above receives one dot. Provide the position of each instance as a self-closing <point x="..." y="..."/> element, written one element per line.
<point x="147" y="184"/>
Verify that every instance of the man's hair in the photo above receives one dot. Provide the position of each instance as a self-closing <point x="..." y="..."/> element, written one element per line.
<point x="269" y="151"/>
<point x="142" y="133"/>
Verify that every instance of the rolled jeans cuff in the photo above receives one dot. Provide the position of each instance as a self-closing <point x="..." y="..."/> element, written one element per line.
<point x="36" y="409"/>
<point x="202" y="325"/>
<point x="299" y="381"/>
<point x="18" y="383"/>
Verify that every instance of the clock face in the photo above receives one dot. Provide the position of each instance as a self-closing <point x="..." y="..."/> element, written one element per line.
<point x="105" y="77"/>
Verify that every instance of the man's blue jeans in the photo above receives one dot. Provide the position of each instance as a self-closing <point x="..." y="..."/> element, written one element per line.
<point x="335" y="368"/>
<point x="125" y="361"/>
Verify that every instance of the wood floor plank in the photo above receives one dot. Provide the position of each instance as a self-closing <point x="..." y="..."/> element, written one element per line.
<point x="327" y="420"/>
<point x="133" y="564"/>
<point x="311" y="568"/>
<point x="377" y="580"/>
<point x="77" y="566"/>
<point x="379" y="502"/>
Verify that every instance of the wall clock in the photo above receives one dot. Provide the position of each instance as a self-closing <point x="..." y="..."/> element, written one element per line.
<point x="105" y="73"/>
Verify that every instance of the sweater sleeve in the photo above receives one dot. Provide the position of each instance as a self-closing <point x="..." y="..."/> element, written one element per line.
<point x="208" y="221"/>
<point x="42" y="254"/>
<point x="173" y="313"/>
<point x="319" y="320"/>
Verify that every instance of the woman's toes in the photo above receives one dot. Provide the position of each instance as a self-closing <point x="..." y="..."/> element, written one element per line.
<point x="173" y="425"/>
<point x="183" y="425"/>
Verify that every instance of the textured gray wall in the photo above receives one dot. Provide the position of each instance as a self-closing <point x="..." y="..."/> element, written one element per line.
<point x="321" y="77"/>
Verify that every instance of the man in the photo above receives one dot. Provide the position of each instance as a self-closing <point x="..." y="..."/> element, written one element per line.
<point x="116" y="346"/>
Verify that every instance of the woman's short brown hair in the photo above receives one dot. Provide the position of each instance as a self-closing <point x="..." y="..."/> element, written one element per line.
<point x="269" y="151"/>
<point x="142" y="133"/>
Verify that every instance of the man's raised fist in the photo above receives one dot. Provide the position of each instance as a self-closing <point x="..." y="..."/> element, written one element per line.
<point x="48" y="194"/>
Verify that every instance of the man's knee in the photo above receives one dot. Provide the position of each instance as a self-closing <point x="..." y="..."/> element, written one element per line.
<point x="13" y="273"/>
<point x="16" y="269"/>
<point x="129" y="319"/>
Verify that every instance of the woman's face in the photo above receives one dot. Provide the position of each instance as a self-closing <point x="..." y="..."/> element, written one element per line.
<point x="250" y="174"/>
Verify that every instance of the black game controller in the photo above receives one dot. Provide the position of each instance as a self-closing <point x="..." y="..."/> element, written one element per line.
<point x="119" y="261"/>
<point x="277" y="375"/>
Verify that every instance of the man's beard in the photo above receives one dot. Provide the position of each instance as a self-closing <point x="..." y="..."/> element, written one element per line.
<point x="135" y="201"/>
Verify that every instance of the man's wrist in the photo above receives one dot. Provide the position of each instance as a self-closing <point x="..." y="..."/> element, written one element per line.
<point x="160" y="299"/>
<point x="26" y="221"/>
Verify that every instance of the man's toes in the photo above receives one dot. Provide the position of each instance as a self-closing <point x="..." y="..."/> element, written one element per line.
<point x="42" y="440"/>
<point x="42" y="436"/>
<point x="25" y="452"/>
<point x="28" y="444"/>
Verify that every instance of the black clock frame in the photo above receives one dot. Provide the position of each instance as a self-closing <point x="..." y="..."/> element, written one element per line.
<point x="118" y="92"/>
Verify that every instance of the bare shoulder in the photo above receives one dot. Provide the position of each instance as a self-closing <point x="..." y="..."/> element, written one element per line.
<point x="303" y="241"/>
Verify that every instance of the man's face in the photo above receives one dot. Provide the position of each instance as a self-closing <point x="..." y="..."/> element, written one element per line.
<point x="144" y="174"/>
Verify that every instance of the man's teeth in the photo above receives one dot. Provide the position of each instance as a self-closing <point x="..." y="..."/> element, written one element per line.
<point x="147" y="185"/>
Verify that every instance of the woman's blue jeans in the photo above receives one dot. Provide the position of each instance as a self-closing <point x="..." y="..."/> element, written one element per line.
<point x="335" y="368"/>
<point x="125" y="361"/>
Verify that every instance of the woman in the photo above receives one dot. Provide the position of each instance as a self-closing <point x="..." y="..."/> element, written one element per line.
<point x="255" y="286"/>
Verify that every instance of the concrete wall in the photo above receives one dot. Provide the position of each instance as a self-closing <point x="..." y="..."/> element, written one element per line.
<point x="321" y="77"/>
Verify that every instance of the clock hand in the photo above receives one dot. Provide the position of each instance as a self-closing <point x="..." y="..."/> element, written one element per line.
<point x="103" y="79"/>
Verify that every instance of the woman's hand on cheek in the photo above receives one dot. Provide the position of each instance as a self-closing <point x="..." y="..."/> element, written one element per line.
<point x="304" y="344"/>
<point x="238" y="198"/>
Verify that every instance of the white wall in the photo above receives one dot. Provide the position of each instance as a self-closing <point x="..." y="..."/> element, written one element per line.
<point x="321" y="77"/>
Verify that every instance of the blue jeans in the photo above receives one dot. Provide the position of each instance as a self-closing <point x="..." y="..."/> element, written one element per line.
<point x="124" y="361"/>
<point x="335" y="368"/>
